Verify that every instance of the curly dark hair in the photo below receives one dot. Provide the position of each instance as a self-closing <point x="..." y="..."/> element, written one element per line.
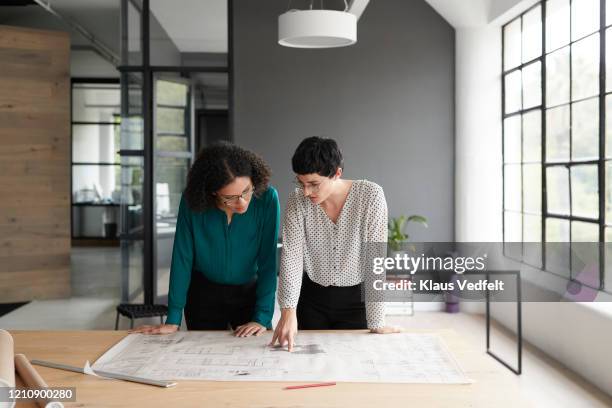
<point x="317" y="155"/>
<point x="218" y="165"/>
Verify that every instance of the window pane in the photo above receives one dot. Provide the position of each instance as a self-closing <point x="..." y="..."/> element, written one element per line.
<point x="557" y="134"/>
<point x="532" y="188"/>
<point x="532" y="34"/>
<point x="585" y="201"/>
<point x="96" y="103"/>
<point x="512" y="187"/>
<point x="512" y="139"/>
<point x="532" y="136"/>
<point x="132" y="128"/>
<point x="557" y="247"/>
<point x="585" y="67"/>
<point x="131" y="220"/>
<point x="215" y="88"/>
<point x="558" y="77"/>
<point x="557" y="24"/>
<point x="513" y="92"/>
<point x="585" y="232"/>
<point x="609" y="126"/>
<point x="585" y="18"/>
<point x="171" y="93"/>
<point x="609" y="193"/>
<point x="585" y="254"/>
<point x="585" y="129"/>
<point x="132" y="179"/>
<point x="512" y="44"/>
<point x="608" y="255"/>
<point x="95" y="143"/>
<point x="95" y="184"/>
<point x="532" y="236"/>
<point x="132" y="131"/>
<point x="532" y="227"/>
<point x="132" y="54"/>
<point x="171" y="177"/>
<point x="532" y="85"/>
<point x="512" y="227"/>
<point x="557" y="187"/>
<point x="134" y="82"/>
<point x="609" y="58"/>
<point x="557" y="230"/>
<point x="132" y="252"/>
<point x="172" y="143"/>
<point x="170" y="120"/>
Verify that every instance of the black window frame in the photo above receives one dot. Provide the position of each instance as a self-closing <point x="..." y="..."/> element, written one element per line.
<point x="601" y="161"/>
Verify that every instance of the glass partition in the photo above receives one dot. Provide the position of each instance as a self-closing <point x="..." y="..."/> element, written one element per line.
<point x="95" y="160"/>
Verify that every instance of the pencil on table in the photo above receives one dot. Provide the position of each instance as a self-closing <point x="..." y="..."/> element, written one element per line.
<point x="297" y="387"/>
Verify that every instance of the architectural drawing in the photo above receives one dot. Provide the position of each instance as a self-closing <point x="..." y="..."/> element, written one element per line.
<point x="342" y="357"/>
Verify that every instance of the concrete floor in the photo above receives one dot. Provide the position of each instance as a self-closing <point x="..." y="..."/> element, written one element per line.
<point x="96" y="292"/>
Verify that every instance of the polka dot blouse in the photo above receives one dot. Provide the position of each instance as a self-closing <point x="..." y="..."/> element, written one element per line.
<point x="332" y="253"/>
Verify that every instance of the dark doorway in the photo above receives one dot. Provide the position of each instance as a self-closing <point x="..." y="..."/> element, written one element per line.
<point x="212" y="125"/>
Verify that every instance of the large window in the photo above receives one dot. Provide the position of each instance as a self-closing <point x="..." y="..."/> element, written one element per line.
<point x="557" y="144"/>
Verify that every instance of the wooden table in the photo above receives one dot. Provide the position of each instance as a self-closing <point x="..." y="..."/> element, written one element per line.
<point x="495" y="386"/>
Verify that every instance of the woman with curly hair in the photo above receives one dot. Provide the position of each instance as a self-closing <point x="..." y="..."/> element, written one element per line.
<point x="223" y="270"/>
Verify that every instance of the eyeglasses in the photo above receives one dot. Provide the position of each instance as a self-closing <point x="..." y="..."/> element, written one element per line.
<point x="246" y="195"/>
<point x="314" y="187"/>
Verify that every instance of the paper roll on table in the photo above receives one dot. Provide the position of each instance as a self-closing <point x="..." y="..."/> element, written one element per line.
<point x="7" y="364"/>
<point x="33" y="380"/>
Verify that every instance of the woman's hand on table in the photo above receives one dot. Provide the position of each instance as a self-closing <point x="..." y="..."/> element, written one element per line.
<point x="159" y="329"/>
<point x="286" y="329"/>
<point x="249" y="329"/>
<point x="386" y="330"/>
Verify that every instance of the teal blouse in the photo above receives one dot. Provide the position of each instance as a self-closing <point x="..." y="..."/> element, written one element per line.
<point x="225" y="253"/>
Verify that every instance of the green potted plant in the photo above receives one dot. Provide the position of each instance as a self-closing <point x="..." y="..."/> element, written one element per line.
<point x="397" y="236"/>
<point x="396" y="242"/>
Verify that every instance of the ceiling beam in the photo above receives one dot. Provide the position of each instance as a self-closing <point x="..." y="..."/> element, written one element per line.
<point x="102" y="49"/>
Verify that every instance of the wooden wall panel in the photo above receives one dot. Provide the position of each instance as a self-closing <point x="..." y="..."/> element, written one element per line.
<point x="34" y="164"/>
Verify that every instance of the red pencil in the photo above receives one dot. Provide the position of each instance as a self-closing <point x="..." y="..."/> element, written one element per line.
<point x="297" y="387"/>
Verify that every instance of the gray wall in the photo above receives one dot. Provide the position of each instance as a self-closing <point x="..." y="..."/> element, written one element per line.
<point x="388" y="101"/>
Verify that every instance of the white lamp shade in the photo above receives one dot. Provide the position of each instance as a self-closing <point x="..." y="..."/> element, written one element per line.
<point x="317" y="29"/>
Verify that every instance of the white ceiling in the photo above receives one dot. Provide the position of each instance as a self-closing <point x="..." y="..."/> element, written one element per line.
<point x="462" y="13"/>
<point x="201" y="25"/>
<point x="194" y="25"/>
<point x="476" y="13"/>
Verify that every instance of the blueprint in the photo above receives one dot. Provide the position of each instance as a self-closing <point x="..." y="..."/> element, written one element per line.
<point x="341" y="357"/>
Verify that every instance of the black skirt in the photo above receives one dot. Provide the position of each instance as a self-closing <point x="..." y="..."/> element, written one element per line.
<point x="330" y="307"/>
<point x="215" y="306"/>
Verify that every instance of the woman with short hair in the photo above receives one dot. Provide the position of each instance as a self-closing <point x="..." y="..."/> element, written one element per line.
<point x="330" y="229"/>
